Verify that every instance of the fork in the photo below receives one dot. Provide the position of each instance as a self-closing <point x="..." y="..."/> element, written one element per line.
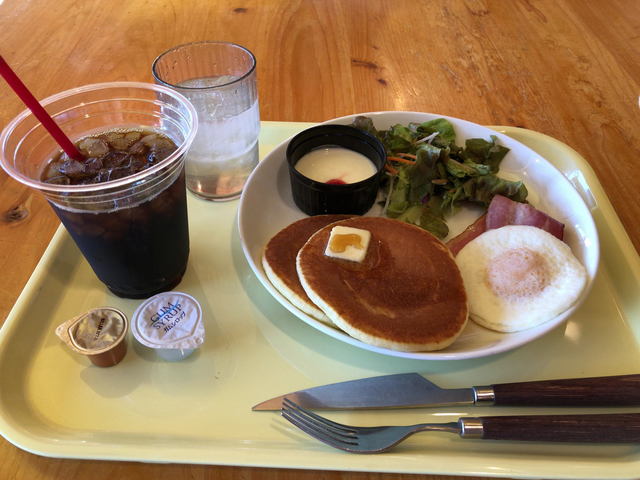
<point x="597" y="428"/>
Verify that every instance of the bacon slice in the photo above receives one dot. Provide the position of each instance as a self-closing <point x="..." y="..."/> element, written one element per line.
<point x="472" y="231"/>
<point x="503" y="211"/>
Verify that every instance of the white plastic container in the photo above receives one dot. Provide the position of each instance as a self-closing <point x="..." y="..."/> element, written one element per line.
<point x="170" y="323"/>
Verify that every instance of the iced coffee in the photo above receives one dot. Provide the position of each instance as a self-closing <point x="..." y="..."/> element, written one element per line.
<point x="136" y="246"/>
<point x="123" y="200"/>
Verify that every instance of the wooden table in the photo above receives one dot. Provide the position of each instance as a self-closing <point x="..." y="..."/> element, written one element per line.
<point x="565" y="68"/>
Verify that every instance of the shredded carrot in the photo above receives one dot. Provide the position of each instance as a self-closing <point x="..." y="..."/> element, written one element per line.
<point x="390" y="169"/>
<point x="407" y="155"/>
<point x="401" y="160"/>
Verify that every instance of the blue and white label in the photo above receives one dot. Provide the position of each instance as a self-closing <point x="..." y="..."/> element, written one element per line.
<point x="169" y="320"/>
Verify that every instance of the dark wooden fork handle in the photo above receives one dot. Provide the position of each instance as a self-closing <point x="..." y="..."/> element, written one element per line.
<point x="605" y="428"/>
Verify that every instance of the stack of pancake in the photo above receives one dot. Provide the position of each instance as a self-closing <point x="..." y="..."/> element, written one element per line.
<point x="407" y="294"/>
<point x="279" y="261"/>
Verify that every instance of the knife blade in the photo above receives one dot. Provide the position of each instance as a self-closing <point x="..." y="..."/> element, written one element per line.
<point x="411" y="390"/>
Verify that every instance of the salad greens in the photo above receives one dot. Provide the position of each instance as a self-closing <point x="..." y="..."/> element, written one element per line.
<point x="430" y="176"/>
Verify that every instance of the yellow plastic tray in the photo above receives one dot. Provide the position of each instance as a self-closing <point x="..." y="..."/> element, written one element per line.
<point x="55" y="403"/>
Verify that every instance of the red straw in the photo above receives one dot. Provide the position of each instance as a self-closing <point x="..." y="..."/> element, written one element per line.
<point x="41" y="114"/>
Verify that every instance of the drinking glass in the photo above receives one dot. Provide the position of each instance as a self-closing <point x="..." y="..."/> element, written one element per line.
<point x="219" y="78"/>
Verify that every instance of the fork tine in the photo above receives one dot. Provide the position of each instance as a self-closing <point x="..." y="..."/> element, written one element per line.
<point x="334" y="426"/>
<point x="315" y="433"/>
<point x="331" y="433"/>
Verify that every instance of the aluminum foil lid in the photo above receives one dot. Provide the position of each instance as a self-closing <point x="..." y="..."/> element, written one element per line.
<point x="99" y="334"/>
<point x="95" y="331"/>
<point x="169" y="320"/>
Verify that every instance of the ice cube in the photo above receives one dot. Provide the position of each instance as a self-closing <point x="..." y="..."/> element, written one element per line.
<point x="93" y="147"/>
<point x="119" y="172"/>
<point x="73" y="169"/>
<point x="114" y="159"/>
<point x="121" y="143"/>
<point x="149" y="140"/>
<point x="92" y="166"/>
<point x="132" y="137"/>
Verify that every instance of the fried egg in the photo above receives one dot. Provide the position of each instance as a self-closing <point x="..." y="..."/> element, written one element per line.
<point x="518" y="277"/>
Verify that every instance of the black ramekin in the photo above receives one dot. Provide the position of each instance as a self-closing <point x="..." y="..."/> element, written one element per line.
<point x="316" y="198"/>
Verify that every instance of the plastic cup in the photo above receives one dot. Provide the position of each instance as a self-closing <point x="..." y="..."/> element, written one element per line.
<point x="133" y="231"/>
<point x="219" y="79"/>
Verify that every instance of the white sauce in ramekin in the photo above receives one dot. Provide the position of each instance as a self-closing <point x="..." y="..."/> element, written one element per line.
<point x="335" y="165"/>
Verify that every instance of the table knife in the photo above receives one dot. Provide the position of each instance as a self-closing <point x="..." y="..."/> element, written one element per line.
<point x="411" y="390"/>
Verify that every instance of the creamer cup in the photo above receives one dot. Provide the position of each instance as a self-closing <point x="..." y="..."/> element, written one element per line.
<point x="99" y="334"/>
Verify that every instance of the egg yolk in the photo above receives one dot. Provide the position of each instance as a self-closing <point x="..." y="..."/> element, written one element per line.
<point x="517" y="273"/>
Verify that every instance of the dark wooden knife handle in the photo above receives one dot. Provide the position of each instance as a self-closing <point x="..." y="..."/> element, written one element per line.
<point x="605" y="428"/>
<point x="596" y="392"/>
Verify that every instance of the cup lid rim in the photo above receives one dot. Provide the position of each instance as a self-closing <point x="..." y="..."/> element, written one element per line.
<point x="49" y="187"/>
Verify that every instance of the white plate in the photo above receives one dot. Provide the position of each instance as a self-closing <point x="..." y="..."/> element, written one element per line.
<point x="266" y="206"/>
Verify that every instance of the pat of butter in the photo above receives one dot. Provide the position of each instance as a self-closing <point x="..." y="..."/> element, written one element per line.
<point x="348" y="243"/>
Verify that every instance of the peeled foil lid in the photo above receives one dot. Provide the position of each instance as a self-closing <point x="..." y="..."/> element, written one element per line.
<point x="95" y="331"/>
<point x="169" y="320"/>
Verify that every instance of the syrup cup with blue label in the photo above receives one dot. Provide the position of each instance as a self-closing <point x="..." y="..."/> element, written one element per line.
<point x="169" y="323"/>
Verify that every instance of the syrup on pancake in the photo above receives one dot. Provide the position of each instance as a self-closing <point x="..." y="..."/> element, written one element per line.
<point x="279" y="261"/>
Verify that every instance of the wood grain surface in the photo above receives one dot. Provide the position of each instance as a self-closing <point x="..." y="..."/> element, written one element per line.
<point x="568" y="69"/>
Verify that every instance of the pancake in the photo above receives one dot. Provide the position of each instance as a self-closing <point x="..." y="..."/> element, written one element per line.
<point x="279" y="261"/>
<point x="406" y="295"/>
